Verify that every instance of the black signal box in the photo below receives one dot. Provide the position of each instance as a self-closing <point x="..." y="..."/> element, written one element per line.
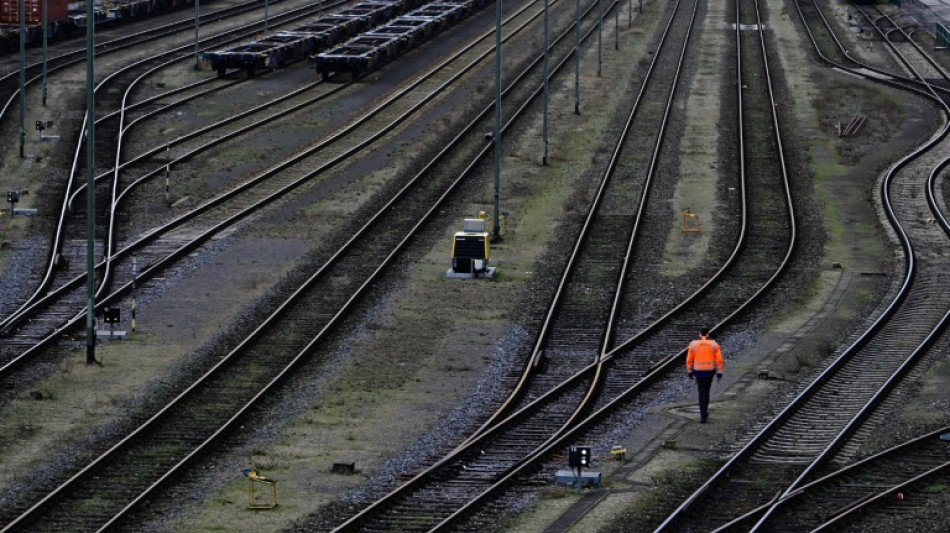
<point x="578" y="456"/>
<point x="111" y="315"/>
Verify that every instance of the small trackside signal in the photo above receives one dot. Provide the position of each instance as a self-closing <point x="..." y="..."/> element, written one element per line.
<point x="111" y="315"/>
<point x="578" y="457"/>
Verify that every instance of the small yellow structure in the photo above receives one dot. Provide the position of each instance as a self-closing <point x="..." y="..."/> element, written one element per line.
<point x="261" y="491"/>
<point x="471" y="250"/>
<point x="690" y="221"/>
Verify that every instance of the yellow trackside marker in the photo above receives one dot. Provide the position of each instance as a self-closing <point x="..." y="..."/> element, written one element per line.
<point x="690" y="221"/>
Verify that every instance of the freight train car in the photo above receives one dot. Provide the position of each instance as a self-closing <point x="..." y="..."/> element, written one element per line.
<point x="57" y="16"/>
<point x="372" y="49"/>
<point x="275" y="50"/>
<point x="64" y="17"/>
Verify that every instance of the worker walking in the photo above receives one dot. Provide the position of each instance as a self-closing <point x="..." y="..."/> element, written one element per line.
<point x="703" y="361"/>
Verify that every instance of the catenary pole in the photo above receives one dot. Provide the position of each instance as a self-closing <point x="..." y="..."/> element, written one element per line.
<point x="600" y="36"/>
<point x="577" y="57"/>
<point x="22" y="16"/>
<point x="90" y="186"/>
<point x="197" y="18"/>
<point x="496" y="136"/>
<point x="544" y="122"/>
<point x="45" y="52"/>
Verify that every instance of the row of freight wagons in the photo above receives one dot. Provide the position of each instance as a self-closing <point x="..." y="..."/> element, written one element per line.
<point x="355" y="40"/>
<point x="276" y="49"/>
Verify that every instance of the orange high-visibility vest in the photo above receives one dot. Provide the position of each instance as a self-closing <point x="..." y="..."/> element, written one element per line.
<point x="704" y="355"/>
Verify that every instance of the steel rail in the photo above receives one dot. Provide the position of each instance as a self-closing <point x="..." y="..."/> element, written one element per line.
<point x="530" y="462"/>
<point x="723" y="472"/>
<point x="859" y="68"/>
<point x="488" y="431"/>
<point x="60" y="234"/>
<point x="14" y="364"/>
<point x="860" y="497"/>
<point x="384" y="266"/>
<point x="167" y="59"/>
<point x="915" y="71"/>
<point x="608" y="337"/>
<point x="508" y="405"/>
<point x="918" y="353"/>
<point x="876" y="501"/>
<point x="111" y="226"/>
<point x="876" y="398"/>
<point x="119" y="44"/>
<point x="510" y="475"/>
<point x="667" y="365"/>
<point x="308" y="349"/>
<point x="57" y="240"/>
<point x="164" y="109"/>
<point x="38" y="300"/>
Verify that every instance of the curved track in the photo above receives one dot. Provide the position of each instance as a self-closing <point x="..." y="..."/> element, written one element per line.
<point x="818" y="425"/>
<point x="283" y="340"/>
<point x="42" y="322"/>
<point x="624" y="377"/>
<point x="69" y="236"/>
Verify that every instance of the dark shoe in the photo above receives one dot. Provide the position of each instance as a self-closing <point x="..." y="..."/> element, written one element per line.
<point x="702" y="420"/>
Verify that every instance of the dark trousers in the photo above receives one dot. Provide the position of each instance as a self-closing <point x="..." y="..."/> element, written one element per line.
<point x="704" y="384"/>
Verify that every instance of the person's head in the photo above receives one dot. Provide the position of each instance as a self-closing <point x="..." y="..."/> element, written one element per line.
<point x="704" y="332"/>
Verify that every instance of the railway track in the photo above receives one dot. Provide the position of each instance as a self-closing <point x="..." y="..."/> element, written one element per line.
<point x="626" y="378"/>
<point x="830" y="49"/>
<point x="899" y="36"/>
<point x="826" y="421"/>
<point x="265" y="357"/>
<point x="580" y="326"/>
<point x="576" y="331"/>
<point x="882" y="488"/>
<point x="69" y="237"/>
<point x="163" y="245"/>
<point x="631" y="380"/>
<point x="9" y="82"/>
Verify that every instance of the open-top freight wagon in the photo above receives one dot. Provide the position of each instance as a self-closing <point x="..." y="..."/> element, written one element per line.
<point x="275" y="50"/>
<point x="378" y="46"/>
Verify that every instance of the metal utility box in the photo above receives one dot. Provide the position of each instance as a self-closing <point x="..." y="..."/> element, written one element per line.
<point x="471" y="250"/>
<point x="586" y="479"/>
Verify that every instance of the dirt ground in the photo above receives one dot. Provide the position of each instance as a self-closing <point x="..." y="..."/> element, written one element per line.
<point x="401" y="383"/>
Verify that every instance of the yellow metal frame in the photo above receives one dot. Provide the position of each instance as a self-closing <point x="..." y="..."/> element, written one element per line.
<point x="691" y="221"/>
<point x="266" y="498"/>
